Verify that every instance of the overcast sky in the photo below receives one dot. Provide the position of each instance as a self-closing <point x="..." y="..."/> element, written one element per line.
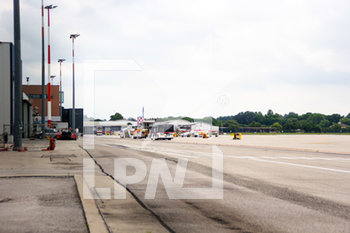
<point x="194" y="58"/>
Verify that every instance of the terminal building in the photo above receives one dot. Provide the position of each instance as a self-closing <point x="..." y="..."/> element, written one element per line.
<point x="7" y="96"/>
<point x="34" y="94"/>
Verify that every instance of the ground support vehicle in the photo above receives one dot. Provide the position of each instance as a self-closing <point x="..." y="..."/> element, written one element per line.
<point x="162" y="132"/>
<point x="236" y="136"/>
<point x="140" y="133"/>
<point x="66" y="134"/>
<point x="143" y="130"/>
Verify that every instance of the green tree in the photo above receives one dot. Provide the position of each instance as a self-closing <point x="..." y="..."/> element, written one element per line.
<point x="335" y="127"/>
<point x="255" y="124"/>
<point x="260" y="118"/>
<point x="306" y="125"/>
<point x="232" y="125"/>
<point x="334" y="118"/>
<point x="277" y="126"/>
<point x="324" y="124"/>
<point x="269" y="112"/>
<point x="291" y="115"/>
<point x="245" y="118"/>
<point x="291" y="124"/>
<point x="215" y="122"/>
<point x="345" y="121"/>
<point x="316" y="118"/>
<point x="116" y="116"/>
<point x="188" y="119"/>
<point x="269" y="118"/>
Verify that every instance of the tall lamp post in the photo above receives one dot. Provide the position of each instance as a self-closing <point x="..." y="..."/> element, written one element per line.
<point x="73" y="37"/>
<point x="49" y="7"/>
<point x="61" y="93"/>
<point x="42" y="71"/>
<point x="17" y="131"/>
<point x="52" y="77"/>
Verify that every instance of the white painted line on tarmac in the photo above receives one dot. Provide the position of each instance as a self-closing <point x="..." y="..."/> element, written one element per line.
<point x="288" y="158"/>
<point x="152" y="150"/>
<point x="302" y="165"/>
<point x="172" y="154"/>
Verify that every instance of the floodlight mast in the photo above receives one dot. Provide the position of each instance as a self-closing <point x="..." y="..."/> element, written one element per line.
<point x="18" y="126"/>
<point x="73" y="37"/>
<point x="49" y="7"/>
<point x="61" y="93"/>
<point x="52" y="77"/>
<point x="42" y="72"/>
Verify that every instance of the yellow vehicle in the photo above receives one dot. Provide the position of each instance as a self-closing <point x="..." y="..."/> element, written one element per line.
<point x="203" y="134"/>
<point x="236" y="136"/>
<point x="143" y="129"/>
<point x="140" y="133"/>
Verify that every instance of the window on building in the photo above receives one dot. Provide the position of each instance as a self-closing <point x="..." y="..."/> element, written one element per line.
<point x="37" y="96"/>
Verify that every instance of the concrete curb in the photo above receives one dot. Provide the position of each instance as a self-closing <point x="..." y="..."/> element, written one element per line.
<point x="36" y="175"/>
<point x="95" y="222"/>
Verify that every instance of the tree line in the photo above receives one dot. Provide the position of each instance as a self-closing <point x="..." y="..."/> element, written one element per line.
<point x="291" y="122"/>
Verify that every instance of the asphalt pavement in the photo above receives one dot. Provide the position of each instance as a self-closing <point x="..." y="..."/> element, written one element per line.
<point x="265" y="190"/>
<point x="40" y="204"/>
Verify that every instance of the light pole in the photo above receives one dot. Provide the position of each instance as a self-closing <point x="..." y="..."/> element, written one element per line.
<point x="61" y="93"/>
<point x="73" y="37"/>
<point x="48" y="66"/>
<point x="17" y="131"/>
<point x="42" y="72"/>
<point x="52" y="77"/>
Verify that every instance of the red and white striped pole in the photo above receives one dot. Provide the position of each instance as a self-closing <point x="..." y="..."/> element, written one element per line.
<point x="48" y="67"/>
<point x="48" y="71"/>
<point x="42" y="69"/>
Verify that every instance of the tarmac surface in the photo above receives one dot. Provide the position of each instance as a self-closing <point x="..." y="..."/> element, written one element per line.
<point x="266" y="188"/>
<point x="306" y="142"/>
<point x="40" y="204"/>
<point x="279" y="183"/>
